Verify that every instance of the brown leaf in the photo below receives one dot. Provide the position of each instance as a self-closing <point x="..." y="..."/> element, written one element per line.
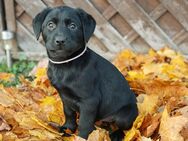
<point x="170" y="127"/>
<point x="45" y="135"/>
<point x="4" y="125"/>
<point x="21" y="132"/>
<point x="184" y="133"/>
<point x="5" y="99"/>
<point x="150" y="124"/>
<point x="99" y="135"/>
<point x="9" y="136"/>
<point x="25" y="120"/>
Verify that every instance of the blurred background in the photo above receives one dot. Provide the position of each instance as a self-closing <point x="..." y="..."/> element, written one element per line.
<point x="134" y="24"/>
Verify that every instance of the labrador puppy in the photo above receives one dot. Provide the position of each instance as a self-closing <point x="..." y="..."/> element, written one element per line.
<point x="86" y="82"/>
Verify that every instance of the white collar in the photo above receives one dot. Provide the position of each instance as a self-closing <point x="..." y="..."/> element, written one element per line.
<point x="68" y="60"/>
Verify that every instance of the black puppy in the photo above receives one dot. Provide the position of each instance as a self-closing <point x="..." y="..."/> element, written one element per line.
<point x="86" y="82"/>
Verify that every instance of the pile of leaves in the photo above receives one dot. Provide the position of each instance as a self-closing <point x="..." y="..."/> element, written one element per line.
<point x="159" y="79"/>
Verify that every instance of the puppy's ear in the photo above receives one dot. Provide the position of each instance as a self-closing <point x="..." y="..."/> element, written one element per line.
<point x="38" y="20"/>
<point x="88" y="24"/>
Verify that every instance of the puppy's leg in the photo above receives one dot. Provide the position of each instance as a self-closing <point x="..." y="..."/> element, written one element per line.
<point x="125" y="117"/>
<point x="87" y="119"/>
<point x="70" y="119"/>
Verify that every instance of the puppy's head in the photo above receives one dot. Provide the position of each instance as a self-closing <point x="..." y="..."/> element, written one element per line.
<point x="64" y="30"/>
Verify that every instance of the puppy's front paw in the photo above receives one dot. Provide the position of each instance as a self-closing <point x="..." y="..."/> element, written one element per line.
<point x="66" y="132"/>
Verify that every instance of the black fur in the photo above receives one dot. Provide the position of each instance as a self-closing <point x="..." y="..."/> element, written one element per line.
<point x="90" y="84"/>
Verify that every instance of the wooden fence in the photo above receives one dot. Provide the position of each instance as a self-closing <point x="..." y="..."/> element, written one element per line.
<point x="135" y="24"/>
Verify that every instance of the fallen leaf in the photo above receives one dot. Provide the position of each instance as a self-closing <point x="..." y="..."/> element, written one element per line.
<point x="43" y="134"/>
<point x="5" y="99"/>
<point x="145" y="139"/>
<point x="4" y="125"/>
<point x="150" y="125"/>
<point x="6" y="76"/>
<point x="170" y="127"/>
<point x="149" y="104"/>
<point x="99" y="135"/>
<point x="134" y="132"/>
<point x="25" y="120"/>
<point x="20" y="132"/>
<point x="1" y="137"/>
<point x="184" y="133"/>
<point x="45" y="125"/>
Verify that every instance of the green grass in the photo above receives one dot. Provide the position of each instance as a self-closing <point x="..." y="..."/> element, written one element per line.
<point x="19" y="67"/>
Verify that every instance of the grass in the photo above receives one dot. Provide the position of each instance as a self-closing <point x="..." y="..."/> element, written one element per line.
<point x="19" y="67"/>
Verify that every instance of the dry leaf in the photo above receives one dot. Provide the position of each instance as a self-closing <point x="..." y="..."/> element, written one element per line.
<point x="4" y="125"/>
<point x="25" y="119"/>
<point x="149" y="104"/>
<point x="150" y="124"/>
<point x="159" y="78"/>
<point x="170" y="127"/>
<point x="1" y="137"/>
<point x="6" y="76"/>
<point x="5" y="99"/>
<point x="146" y="139"/>
<point x="99" y="135"/>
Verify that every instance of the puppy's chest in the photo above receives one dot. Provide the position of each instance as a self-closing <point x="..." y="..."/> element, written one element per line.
<point x="63" y="81"/>
<point x="58" y="76"/>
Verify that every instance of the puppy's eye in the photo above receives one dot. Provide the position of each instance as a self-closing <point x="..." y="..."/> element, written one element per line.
<point x="72" y="26"/>
<point x="51" y="25"/>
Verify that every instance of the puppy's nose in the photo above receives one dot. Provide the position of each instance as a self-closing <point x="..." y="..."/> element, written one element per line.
<point x="59" y="40"/>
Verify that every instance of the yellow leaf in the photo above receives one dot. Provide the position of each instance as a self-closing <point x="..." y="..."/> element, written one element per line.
<point x="178" y="61"/>
<point x="73" y="138"/>
<point x="134" y="132"/>
<point x="44" y="134"/>
<point x="167" y="52"/>
<point x="57" y="115"/>
<point x="149" y="104"/>
<point x="24" y="119"/>
<point x="152" y="68"/>
<point x="126" y="54"/>
<point x="132" y="75"/>
<point x="170" y="127"/>
<point x="48" y="100"/>
<point x="40" y="72"/>
<point x="6" y="76"/>
<point x="44" y="125"/>
<point x="1" y="137"/>
<point x="138" y="122"/>
<point x="152" y="53"/>
<point x="5" y="99"/>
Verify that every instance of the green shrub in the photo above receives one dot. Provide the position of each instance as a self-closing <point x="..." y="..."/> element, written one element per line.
<point x="19" y="67"/>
